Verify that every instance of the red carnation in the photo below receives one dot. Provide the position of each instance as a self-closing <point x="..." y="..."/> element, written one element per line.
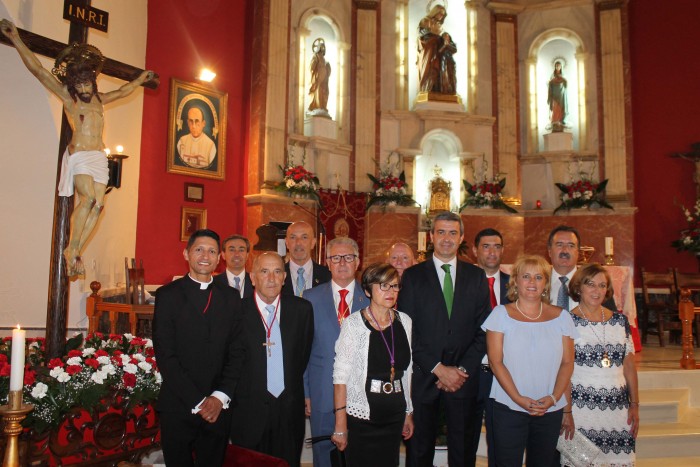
<point x="3" y="358"/>
<point x="75" y="353"/>
<point x="29" y="377"/>
<point x="129" y="380"/>
<point x="5" y="370"/>
<point x="92" y="362"/>
<point x="101" y="353"/>
<point x="55" y="362"/>
<point x="73" y="369"/>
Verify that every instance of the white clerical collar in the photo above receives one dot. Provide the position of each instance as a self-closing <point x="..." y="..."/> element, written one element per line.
<point x="202" y="285"/>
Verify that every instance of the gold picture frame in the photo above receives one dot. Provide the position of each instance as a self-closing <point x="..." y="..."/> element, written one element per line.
<point x="192" y="220"/>
<point x="197" y="130"/>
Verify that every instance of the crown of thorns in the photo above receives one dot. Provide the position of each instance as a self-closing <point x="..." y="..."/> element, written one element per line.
<point x="78" y="56"/>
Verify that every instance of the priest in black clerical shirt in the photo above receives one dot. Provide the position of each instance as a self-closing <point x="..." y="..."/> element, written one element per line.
<point x="197" y="333"/>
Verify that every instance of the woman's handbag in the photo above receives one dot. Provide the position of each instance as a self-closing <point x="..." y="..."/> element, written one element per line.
<point x="577" y="452"/>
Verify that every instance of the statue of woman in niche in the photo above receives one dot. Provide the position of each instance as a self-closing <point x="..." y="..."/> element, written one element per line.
<point x="320" y="72"/>
<point x="556" y="98"/>
<point x="436" y="67"/>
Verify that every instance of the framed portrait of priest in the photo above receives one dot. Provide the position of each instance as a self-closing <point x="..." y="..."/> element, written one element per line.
<point x="197" y="130"/>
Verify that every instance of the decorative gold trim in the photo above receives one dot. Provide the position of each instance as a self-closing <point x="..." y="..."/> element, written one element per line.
<point x="426" y="96"/>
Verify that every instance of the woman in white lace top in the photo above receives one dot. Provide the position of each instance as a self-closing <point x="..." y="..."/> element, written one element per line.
<point x="372" y="375"/>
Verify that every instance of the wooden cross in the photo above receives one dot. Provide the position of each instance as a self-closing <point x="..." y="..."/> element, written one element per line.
<point x="57" y="306"/>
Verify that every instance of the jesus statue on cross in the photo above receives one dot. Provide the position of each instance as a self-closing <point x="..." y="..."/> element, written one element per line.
<point x="84" y="168"/>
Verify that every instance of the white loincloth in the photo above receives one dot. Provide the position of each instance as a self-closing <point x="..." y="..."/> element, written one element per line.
<point x="92" y="163"/>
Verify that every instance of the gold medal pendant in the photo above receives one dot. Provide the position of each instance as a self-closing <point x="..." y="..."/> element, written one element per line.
<point x="605" y="361"/>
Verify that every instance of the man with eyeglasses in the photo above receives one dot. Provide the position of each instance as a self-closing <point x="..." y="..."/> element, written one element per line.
<point x="563" y="247"/>
<point x="488" y="251"/>
<point x="448" y="300"/>
<point x="332" y="303"/>
<point x="302" y="272"/>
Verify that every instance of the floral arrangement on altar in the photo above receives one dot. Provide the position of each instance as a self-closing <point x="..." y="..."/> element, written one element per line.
<point x="389" y="189"/>
<point x="582" y="192"/>
<point x="297" y="180"/>
<point x="690" y="238"/>
<point x="485" y="193"/>
<point x="94" y="368"/>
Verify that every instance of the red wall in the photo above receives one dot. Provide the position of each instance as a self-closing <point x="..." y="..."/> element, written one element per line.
<point x="184" y="36"/>
<point x="665" y="102"/>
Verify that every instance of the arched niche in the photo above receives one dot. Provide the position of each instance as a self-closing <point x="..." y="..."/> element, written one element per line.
<point x="564" y="46"/>
<point x="318" y="23"/>
<point x="456" y="25"/>
<point x="442" y="148"/>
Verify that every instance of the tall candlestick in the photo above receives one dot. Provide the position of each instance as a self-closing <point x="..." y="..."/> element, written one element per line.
<point x="421" y="241"/>
<point x="17" y="362"/>
<point x="608" y="246"/>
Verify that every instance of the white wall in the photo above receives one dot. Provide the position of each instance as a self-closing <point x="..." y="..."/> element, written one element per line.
<point x="29" y="136"/>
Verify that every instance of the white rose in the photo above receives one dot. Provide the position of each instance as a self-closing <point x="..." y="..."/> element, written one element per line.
<point x="39" y="391"/>
<point x="290" y="183"/>
<point x="577" y="194"/>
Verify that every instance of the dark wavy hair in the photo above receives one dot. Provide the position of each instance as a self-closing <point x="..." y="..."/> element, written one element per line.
<point x="76" y="75"/>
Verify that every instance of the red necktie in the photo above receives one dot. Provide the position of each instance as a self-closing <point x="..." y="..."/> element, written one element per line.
<point x="343" y="308"/>
<point x="494" y="303"/>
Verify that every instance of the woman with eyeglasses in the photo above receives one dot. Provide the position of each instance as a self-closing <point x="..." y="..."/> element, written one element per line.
<point x="604" y="393"/>
<point x="531" y="352"/>
<point x="372" y="375"/>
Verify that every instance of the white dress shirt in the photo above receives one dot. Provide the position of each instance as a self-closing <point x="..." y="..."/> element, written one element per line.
<point x="555" y="284"/>
<point x="230" y="276"/>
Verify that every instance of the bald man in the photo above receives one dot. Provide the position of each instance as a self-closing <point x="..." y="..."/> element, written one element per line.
<point x="400" y="256"/>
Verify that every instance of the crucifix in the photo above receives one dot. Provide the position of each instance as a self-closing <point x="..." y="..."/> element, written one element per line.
<point x="268" y="344"/>
<point x="82" y="110"/>
<point x="693" y="156"/>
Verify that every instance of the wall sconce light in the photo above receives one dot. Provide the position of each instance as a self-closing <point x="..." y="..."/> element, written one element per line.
<point x="207" y="75"/>
<point x="114" y="163"/>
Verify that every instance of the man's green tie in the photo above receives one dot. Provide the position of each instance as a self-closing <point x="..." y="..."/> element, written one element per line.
<point x="447" y="290"/>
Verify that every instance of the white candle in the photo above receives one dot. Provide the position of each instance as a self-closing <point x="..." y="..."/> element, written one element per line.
<point x="421" y="241"/>
<point x="17" y="362"/>
<point x="608" y="246"/>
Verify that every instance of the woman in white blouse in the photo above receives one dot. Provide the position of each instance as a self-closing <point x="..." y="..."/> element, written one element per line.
<point x="531" y="352"/>
<point x="372" y="375"/>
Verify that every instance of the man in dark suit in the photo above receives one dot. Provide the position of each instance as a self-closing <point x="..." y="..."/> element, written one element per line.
<point x="197" y="331"/>
<point x="302" y="272"/>
<point x="448" y="301"/>
<point x="234" y="251"/>
<point x="332" y="302"/>
<point x="563" y="247"/>
<point x="488" y="251"/>
<point x="268" y="405"/>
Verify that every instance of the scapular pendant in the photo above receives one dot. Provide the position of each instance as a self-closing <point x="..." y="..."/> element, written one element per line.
<point x="605" y="361"/>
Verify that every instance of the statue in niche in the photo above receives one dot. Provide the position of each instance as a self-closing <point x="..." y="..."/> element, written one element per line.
<point x="320" y="73"/>
<point x="439" y="192"/>
<point x="556" y="99"/>
<point x="436" y="66"/>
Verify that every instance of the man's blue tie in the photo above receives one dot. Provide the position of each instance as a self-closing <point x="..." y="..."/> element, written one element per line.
<point x="301" y="283"/>
<point x="237" y="283"/>
<point x="275" y="366"/>
<point x="563" y="296"/>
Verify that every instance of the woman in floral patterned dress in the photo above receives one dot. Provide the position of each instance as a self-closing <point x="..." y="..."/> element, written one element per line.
<point x="604" y="397"/>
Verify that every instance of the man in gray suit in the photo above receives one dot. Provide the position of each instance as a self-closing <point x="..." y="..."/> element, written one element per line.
<point x="332" y="302"/>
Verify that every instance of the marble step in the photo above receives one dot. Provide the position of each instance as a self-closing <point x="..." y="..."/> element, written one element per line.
<point x="669" y="462"/>
<point x="663" y="405"/>
<point x="662" y="440"/>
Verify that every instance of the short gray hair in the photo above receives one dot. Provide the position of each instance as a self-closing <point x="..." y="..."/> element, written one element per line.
<point x="344" y="241"/>
<point x="448" y="216"/>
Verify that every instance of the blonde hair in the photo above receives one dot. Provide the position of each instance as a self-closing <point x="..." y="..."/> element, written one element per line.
<point x="524" y="262"/>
